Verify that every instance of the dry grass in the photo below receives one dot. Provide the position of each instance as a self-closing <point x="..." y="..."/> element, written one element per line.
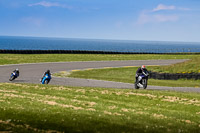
<point x="26" y="108"/>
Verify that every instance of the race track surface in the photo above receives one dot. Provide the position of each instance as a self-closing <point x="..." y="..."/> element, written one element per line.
<point x="31" y="73"/>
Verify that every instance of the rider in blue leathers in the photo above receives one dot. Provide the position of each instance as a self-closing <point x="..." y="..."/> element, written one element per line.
<point x="46" y="76"/>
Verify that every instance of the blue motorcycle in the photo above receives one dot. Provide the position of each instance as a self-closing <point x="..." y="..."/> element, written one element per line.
<point x="46" y="79"/>
<point x="13" y="76"/>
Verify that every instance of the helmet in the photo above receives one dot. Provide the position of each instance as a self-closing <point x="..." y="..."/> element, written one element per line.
<point x="17" y="69"/>
<point x="48" y="71"/>
<point x="143" y="66"/>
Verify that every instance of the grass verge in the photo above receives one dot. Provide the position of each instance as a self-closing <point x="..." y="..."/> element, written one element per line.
<point x="37" y="108"/>
<point x="127" y="75"/>
<point x="37" y="58"/>
<point x="189" y="66"/>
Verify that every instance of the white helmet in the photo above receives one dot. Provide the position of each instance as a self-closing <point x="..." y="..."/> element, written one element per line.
<point x="143" y="66"/>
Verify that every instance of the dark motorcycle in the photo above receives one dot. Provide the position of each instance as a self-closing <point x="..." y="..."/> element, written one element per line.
<point x="13" y="76"/>
<point x="142" y="80"/>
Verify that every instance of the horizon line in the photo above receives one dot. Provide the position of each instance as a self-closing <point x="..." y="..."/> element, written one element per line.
<point x="50" y="37"/>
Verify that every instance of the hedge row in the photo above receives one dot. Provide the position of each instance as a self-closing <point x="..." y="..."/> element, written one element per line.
<point x="175" y="76"/>
<point x="63" y="52"/>
<point x="75" y="52"/>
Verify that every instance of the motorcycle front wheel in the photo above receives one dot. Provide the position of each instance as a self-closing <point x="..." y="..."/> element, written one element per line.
<point x="145" y="84"/>
<point x="12" y="78"/>
<point x="136" y="86"/>
<point x="46" y="82"/>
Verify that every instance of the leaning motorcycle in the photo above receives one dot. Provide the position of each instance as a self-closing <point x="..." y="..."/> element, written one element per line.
<point x="46" y="79"/>
<point x="142" y="80"/>
<point x="13" y="76"/>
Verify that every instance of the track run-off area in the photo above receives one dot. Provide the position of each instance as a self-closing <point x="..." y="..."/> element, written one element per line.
<point x="32" y="73"/>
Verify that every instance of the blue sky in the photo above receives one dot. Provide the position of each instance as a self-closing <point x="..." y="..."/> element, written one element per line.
<point x="158" y="20"/>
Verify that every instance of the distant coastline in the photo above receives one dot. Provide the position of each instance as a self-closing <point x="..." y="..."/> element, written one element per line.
<point x="46" y="43"/>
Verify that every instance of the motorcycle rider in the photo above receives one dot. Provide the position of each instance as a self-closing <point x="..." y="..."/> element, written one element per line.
<point x="47" y="72"/>
<point x="14" y="74"/>
<point x="139" y="72"/>
<point x="16" y="71"/>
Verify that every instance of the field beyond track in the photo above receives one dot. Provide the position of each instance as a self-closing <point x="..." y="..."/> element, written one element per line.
<point x="38" y="58"/>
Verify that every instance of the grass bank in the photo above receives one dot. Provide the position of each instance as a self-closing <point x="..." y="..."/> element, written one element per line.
<point x="37" y="108"/>
<point x="189" y="66"/>
<point x="126" y="75"/>
<point x="37" y="58"/>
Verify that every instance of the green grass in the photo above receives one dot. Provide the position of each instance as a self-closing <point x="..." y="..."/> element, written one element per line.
<point x="36" y="58"/>
<point x="38" y="108"/>
<point x="185" y="67"/>
<point x="127" y="75"/>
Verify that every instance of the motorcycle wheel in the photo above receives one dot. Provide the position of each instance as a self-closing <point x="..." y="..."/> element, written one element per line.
<point x="12" y="78"/>
<point x="46" y="82"/>
<point x="145" y="84"/>
<point x="136" y="87"/>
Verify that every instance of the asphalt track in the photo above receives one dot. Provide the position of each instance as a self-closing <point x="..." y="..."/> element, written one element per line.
<point x="31" y="73"/>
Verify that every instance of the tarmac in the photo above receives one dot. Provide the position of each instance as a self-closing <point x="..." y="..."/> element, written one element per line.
<point x="32" y="73"/>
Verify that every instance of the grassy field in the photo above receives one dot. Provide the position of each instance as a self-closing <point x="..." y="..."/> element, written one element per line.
<point x="37" y="108"/>
<point x="36" y="58"/>
<point x="189" y="66"/>
<point x="126" y="75"/>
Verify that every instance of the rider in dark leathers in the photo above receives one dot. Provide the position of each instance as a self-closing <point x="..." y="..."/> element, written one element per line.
<point x="14" y="74"/>
<point x="139" y="72"/>
<point x="16" y="71"/>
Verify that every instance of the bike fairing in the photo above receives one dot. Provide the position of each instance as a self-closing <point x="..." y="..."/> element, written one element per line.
<point x="13" y="75"/>
<point x="46" y="77"/>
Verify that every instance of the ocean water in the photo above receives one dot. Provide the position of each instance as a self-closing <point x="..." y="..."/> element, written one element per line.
<point x="40" y="43"/>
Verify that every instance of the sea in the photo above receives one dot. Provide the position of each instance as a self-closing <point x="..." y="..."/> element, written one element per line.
<point x="45" y="43"/>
